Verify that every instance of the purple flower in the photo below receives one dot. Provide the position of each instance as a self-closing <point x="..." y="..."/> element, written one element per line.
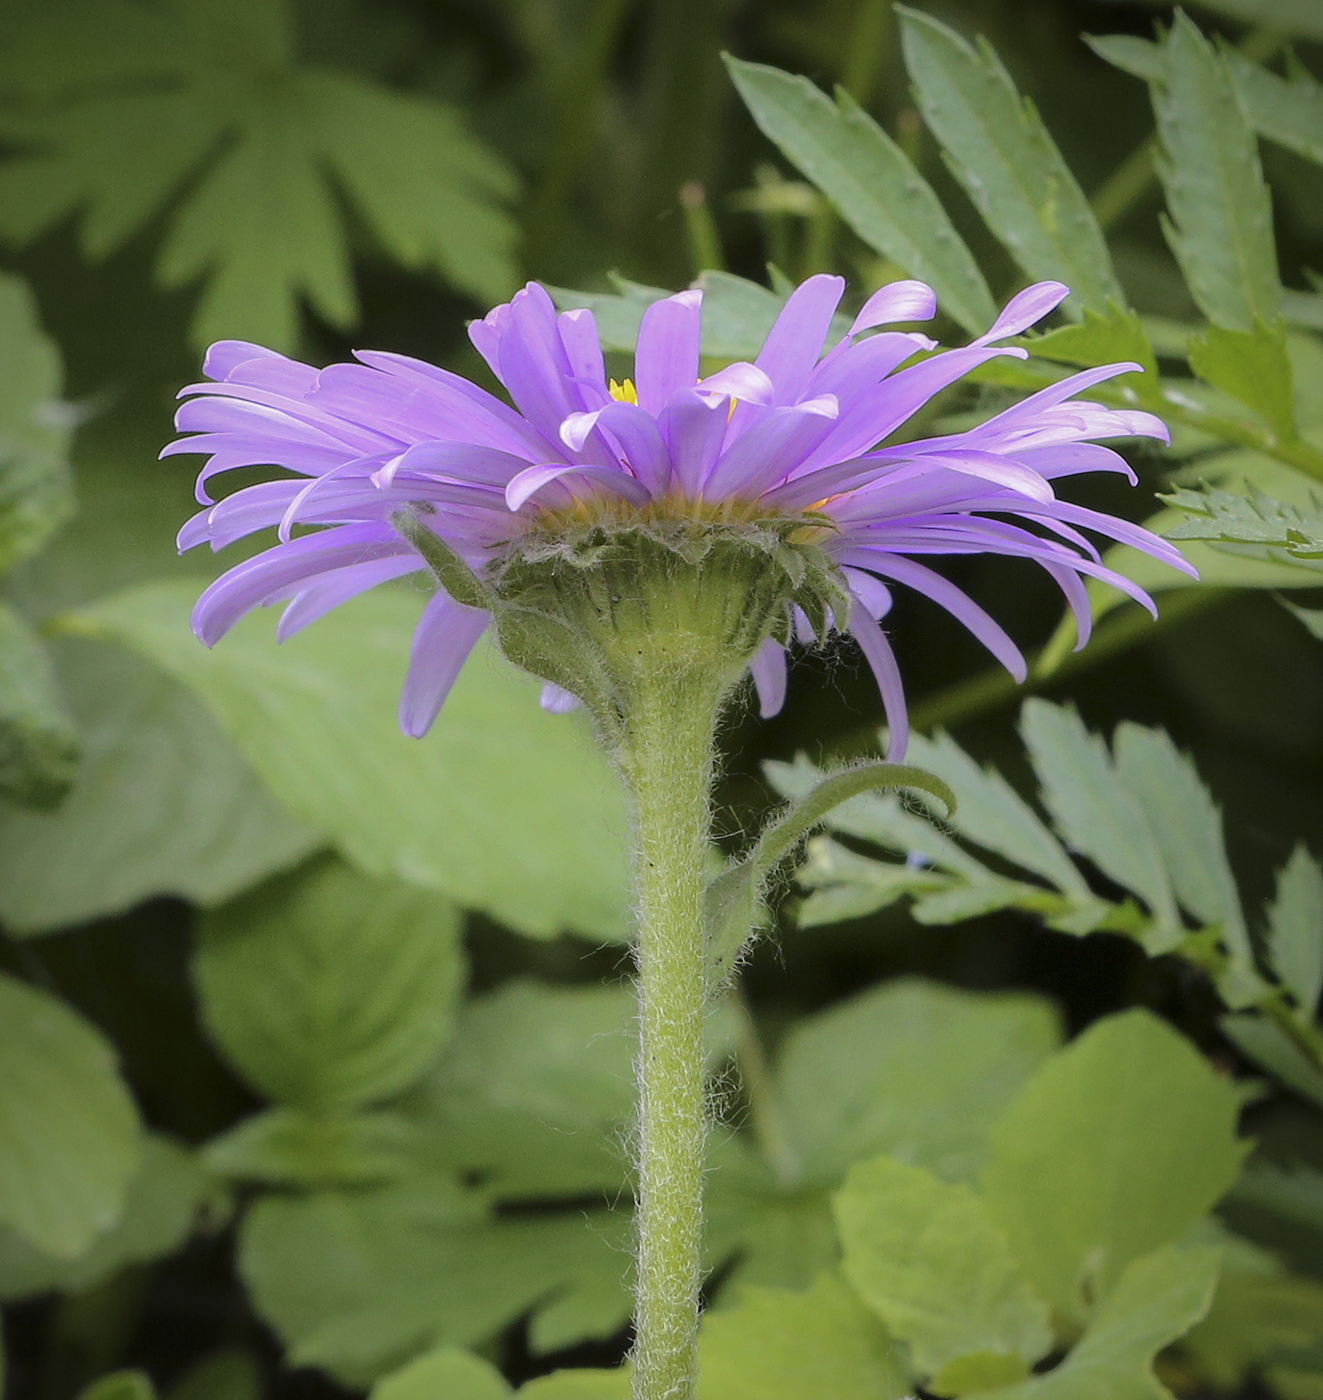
<point x="795" y="432"/>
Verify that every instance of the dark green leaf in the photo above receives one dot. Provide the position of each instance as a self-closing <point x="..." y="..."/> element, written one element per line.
<point x="120" y="1385"/>
<point x="162" y="803"/>
<point x="502" y="807"/>
<point x="328" y="990"/>
<point x="72" y="1140"/>
<point x="1000" y="151"/>
<point x="229" y="1373"/>
<point x="871" y="181"/>
<point x="38" y="743"/>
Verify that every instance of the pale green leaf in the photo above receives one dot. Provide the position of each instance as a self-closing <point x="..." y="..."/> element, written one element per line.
<point x="871" y="181"/>
<point x="162" y="803"/>
<point x="1096" y="814"/>
<point x="1269" y="1044"/>
<point x="1294" y="16"/>
<point x="38" y="743"/>
<point x="925" y="1255"/>
<point x="328" y="990"/>
<point x="1117" y="1146"/>
<point x="444" y="1374"/>
<point x="287" y="1147"/>
<point x="579" y="1384"/>
<point x="1277" y="530"/>
<point x="1187" y="827"/>
<point x="70" y="1140"/>
<point x="164" y="1197"/>
<point x="915" y="1069"/>
<point x="1221" y="214"/>
<point x="36" y="495"/>
<point x="1288" y="111"/>
<point x="1295" y="929"/>
<point x="1141" y="58"/>
<point x="1101" y="339"/>
<point x="1251" y="366"/>
<point x="819" y="1345"/>
<point x="502" y="807"/>
<point x="1000" y="151"/>
<point x="1158" y="1298"/>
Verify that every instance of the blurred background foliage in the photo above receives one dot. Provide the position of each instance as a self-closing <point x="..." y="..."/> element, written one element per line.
<point x="314" y="1041"/>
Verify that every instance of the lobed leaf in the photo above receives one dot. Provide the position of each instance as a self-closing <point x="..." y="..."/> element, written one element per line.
<point x="1251" y="366"/>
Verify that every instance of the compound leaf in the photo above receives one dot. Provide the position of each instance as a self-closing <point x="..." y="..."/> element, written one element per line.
<point x="1295" y="929"/>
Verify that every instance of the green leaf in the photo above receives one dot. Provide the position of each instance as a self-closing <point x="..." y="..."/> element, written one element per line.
<point x="1293" y="1193"/>
<point x="1157" y="1299"/>
<point x="1275" y="529"/>
<point x="1102" y="339"/>
<point x="71" y="1140"/>
<point x="1269" y="1045"/>
<point x="248" y="150"/>
<point x="228" y="1373"/>
<point x="576" y="1384"/>
<point x="1117" y="1146"/>
<point x="735" y="898"/>
<point x="925" y="1255"/>
<point x="1096" y="814"/>
<point x="164" y="1197"/>
<point x="1288" y="111"/>
<point x="38" y="744"/>
<point x="871" y="181"/>
<point x="1221" y="214"/>
<point x="36" y="489"/>
<point x="777" y="1345"/>
<point x="998" y="148"/>
<point x="1295" y="929"/>
<point x="1252" y="366"/>
<point x="162" y="803"/>
<point x="120" y="1385"/>
<point x="1294" y="16"/>
<point x="328" y="990"/>
<point x="502" y="807"/>
<point x="443" y="1374"/>
<point x="911" y="1068"/>
<point x="358" y="1281"/>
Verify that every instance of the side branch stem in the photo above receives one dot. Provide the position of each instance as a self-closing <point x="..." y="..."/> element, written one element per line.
<point x="667" y="761"/>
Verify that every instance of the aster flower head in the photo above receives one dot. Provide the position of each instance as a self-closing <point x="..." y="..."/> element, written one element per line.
<point x="767" y="490"/>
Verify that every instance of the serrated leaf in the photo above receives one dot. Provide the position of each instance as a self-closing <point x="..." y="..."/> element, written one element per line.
<point x="1221" y="215"/>
<point x="1278" y="530"/>
<point x="38" y="743"/>
<point x="162" y="803"/>
<point x="1157" y="1299"/>
<point x="502" y="807"/>
<point x="819" y="1345"/>
<point x="357" y="1282"/>
<point x="925" y="1255"/>
<point x="1000" y="151"/>
<point x="1294" y="16"/>
<point x="1288" y="111"/>
<point x="1269" y="1045"/>
<point x="1102" y="338"/>
<point x="1141" y="58"/>
<point x="1251" y="366"/>
<point x="1096" y="814"/>
<point x="164" y="1196"/>
<point x="1295" y="929"/>
<point x="36" y="489"/>
<point x="70" y="1139"/>
<point x="872" y="183"/>
<point x="328" y="990"/>
<point x="248" y="150"/>
<point x="1116" y="1147"/>
<point x="445" y="1372"/>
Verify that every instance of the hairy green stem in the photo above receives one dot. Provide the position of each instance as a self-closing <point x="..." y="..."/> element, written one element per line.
<point x="667" y="760"/>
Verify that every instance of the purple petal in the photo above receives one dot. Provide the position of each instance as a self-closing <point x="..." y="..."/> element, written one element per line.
<point x="694" y="429"/>
<point x="984" y="466"/>
<point x="446" y="633"/>
<point x="328" y="591"/>
<point x="534" y="367"/>
<point x="771" y="448"/>
<point x="1070" y="459"/>
<point x="897" y="301"/>
<point x="583" y="351"/>
<point x="532" y="480"/>
<point x="225" y="356"/>
<point x="640" y="439"/>
<point x="557" y="701"/>
<point x="851" y="370"/>
<point x="794" y="343"/>
<point x="741" y="381"/>
<point x="768" y="669"/>
<point x="666" y="358"/>
<point x="1025" y="309"/>
<point x="882" y="661"/>
<point x="486" y="335"/>
<point x="871" y="592"/>
<point x="457" y="461"/>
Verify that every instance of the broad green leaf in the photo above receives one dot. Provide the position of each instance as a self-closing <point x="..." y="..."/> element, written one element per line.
<point x="871" y="181"/>
<point x="1252" y="366"/>
<point x="248" y="152"/>
<point x="734" y="900"/>
<point x="162" y="803"/>
<point x="915" y="1069"/>
<point x="1096" y="814"/>
<point x="359" y="1281"/>
<point x="579" y="1384"/>
<point x="1295" y="929"/>
<point x="1269" y="1044"/>
<point x="1187" y="827"/>
<point x="444" y="1374"/>
<point x="120" y="1385"/>
<point x="1221" y="215"/>
<point x="36" y="495"/>
<point x="328" y="990"/>
<point x="1158" y="1298"/>
<point x="70" y="1141"/>
<point x="998" y="148"/>
<point x="1117" y="1146"/>
<point x="925" y="1255"/>
<point x="819" y="1345"/>
<point x="502" y="807"/>
<point x="163" y="1200"/>
<point x="38" y="744"/>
